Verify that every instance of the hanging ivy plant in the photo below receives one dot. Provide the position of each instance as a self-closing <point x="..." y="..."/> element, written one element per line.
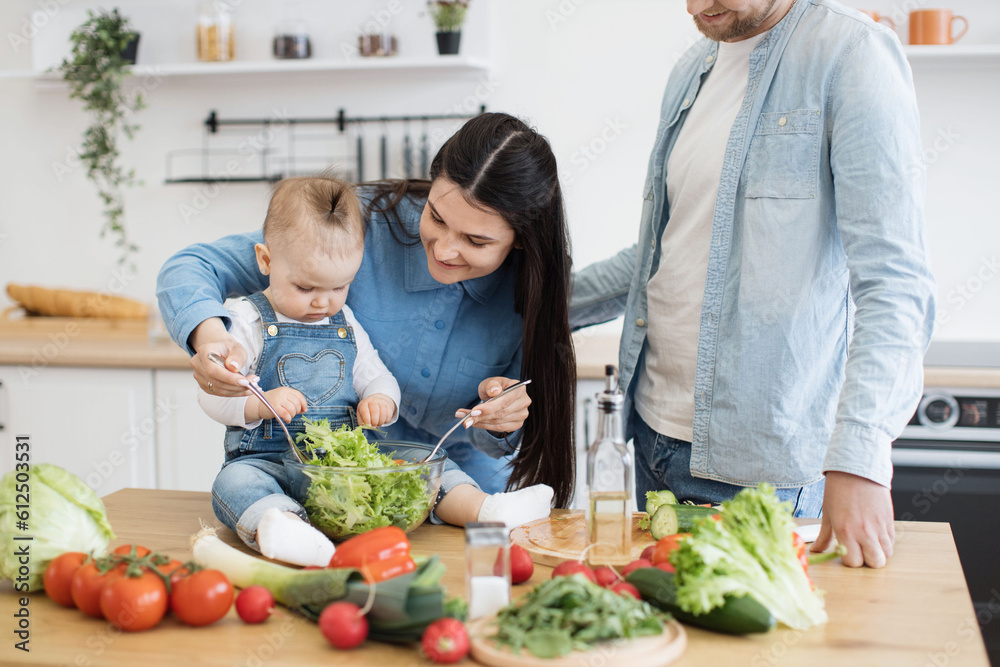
<point x="95" y="71"/>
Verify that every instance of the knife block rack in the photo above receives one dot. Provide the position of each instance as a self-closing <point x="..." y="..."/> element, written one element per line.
<point x="266" y="150"/>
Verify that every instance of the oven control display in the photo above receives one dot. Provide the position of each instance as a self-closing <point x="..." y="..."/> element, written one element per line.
<point x="940" y="411"/>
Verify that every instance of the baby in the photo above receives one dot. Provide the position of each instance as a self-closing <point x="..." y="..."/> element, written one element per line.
<point x="311" y="356"/>
<point x="314" y="359"/>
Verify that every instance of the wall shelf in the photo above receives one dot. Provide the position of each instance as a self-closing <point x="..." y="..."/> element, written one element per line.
<point x="953" y="54"/>
<point x="437" y="64"/>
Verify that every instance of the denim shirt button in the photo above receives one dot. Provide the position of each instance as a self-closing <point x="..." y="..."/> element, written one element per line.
<point x="686" y="101"/>
<point x="439" y="324"/>
<point x="413" y="410"/>
<point x="709" y="59"/>
<point x="652" y="244"/>
<point x="426" y="372"/>
<point x="640" y="322"/>
<point x="782" y="121"/>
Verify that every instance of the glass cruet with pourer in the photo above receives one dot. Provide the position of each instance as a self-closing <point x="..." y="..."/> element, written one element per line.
<point x="609" y="481"/>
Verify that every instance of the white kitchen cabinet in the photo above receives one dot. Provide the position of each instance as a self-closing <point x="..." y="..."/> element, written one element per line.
<point x="189" y="443"/>
<point x="97" y="423"/>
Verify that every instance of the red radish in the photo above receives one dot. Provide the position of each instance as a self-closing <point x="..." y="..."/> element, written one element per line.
<point x="647" y="553"/>
<point x="521" y="567"/>
<point x="606" y="576"/>
<point x="665" y="566"/>
<point x="254" y="604"/>
<point x="445" y="641"/>
<point x="570" y="567"/>
<point x="343" y="625"/>
<point x="635" y="565"/>
<point x="625" y="588"/>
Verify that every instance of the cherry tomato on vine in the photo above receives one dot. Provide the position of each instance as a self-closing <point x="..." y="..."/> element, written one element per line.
<point x="59" y="576"/>
<point x="126" y="549"/>
<point x="201" y="598"/>
<point x="135" y="603"/>
<point x="86" y="587"/>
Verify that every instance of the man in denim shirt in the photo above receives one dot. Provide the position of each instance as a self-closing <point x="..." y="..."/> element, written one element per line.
<point x="779" y="301"/>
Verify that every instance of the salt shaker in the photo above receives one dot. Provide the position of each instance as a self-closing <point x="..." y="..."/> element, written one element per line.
<point x="487" y="567"/>
<point x="609" y="481"/>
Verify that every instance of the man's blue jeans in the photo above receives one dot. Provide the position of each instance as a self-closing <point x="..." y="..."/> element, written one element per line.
<point x="663" y="462"/>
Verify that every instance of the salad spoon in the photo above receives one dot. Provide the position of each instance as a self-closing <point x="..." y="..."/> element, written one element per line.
<point x="467" y="418"/>
<point x="256" y="390"/>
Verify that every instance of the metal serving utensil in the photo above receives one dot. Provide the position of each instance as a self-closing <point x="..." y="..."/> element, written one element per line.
<point x="256" y="390"/>
<point x="466" y="418"/>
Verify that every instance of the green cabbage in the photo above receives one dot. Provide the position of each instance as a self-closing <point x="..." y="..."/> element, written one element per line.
<point x="62" y="514"/>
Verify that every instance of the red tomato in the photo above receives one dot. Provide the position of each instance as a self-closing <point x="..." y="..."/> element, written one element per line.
<point x="86" y="587"/>
<point x="135" y="603"/>
<point x="254" y="604"/>
<point x="606" y="576"/>
<point x="168" y="568"/>
<point x="201" y="598"/>
<point x="665" y="566"/>
<point x="569" y="567"/>
<point x="126" y="549"/>
<point x="666" y="546"/>
<point x="521" y="566"/>
<point x="343" y="625"/>
<point x="635" y="565"/>
<point x="445" y="641"/>
<point x="625" y="588"/>
<point x="59" y="576"/>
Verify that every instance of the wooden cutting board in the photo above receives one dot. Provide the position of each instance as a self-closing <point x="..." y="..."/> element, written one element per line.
<point x="552" y="540"/>
<point x="15" y="323"/>
<point x="642" y="652"/>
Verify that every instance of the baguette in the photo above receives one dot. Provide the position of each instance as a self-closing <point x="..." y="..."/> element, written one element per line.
<point x="71" y="303"/>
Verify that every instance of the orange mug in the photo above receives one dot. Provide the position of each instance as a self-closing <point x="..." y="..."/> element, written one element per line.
<point x="875" y="16"/>
<point x="934" y="26"/>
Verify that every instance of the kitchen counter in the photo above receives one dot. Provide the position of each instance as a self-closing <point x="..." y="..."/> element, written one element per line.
<point x="916" y="611"/>
<point x="593" y="352"/>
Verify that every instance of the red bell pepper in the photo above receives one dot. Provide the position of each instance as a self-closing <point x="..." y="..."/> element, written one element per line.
<point x="379" y="554"/>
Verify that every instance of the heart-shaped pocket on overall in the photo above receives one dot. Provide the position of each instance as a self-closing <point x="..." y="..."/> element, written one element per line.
<point x="318" y="377"/>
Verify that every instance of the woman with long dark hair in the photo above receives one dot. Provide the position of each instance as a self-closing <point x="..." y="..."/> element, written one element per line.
<point x="463" y="290"/>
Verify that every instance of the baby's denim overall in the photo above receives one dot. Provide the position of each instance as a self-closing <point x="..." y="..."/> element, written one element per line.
<point x="316" y="359"/>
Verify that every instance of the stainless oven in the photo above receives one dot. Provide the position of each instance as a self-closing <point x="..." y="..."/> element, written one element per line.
<point x="947" y="468"/>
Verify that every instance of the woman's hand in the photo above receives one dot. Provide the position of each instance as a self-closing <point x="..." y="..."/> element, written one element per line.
<point x="211" y="336"/>
<point x="503" y="415"/>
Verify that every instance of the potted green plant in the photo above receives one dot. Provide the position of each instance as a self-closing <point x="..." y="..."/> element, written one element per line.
<point x="448" y="16"/>
<point x="95" y="71"/>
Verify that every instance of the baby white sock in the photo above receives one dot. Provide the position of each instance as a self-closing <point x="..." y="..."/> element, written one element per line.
<point x="286" y="537"/>
<point x="515" y="508"/>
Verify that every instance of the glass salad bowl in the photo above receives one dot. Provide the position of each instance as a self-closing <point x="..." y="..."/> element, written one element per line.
<point x="346" y="501"/>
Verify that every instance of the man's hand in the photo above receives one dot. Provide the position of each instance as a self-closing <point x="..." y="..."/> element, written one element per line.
<point x="376" y="410"/>
<point x="858" y="512"/>
<point x="287" y="402"/>
<point x="503" y="415"/>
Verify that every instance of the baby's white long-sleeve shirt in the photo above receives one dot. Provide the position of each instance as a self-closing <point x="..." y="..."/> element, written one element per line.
<point x="370" y="374"/>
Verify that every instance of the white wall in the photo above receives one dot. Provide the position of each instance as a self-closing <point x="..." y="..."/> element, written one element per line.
<point x="587" y="73"/>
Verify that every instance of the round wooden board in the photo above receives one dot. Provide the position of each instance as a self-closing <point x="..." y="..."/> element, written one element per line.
<point x="552" y="540"/>
<point x="643" y="652"/>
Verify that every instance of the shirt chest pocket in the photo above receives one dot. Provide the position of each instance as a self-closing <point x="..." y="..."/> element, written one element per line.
<point x="784" y="155"/>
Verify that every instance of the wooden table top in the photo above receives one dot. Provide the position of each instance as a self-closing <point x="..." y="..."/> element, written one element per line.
<point x="916" y="611"/>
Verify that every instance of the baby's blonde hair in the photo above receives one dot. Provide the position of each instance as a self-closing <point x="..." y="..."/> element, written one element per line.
<point x="321" y="206"/>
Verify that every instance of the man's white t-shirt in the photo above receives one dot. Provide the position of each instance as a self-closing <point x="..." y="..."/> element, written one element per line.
<point x="664" y="395"/>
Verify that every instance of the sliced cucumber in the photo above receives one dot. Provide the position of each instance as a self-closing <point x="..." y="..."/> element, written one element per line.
<point x="670" y="519"/>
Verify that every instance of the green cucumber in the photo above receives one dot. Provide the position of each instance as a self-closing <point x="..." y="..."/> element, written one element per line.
<point x="670" y="519"/>
<point x="737" y="616"/>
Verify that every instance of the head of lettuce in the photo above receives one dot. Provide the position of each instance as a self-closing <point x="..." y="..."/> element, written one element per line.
<point x="62" y="514"/>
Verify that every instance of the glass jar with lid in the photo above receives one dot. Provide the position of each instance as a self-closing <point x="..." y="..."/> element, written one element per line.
<point x="216" y="36"/>
<point x="291" y="39"/>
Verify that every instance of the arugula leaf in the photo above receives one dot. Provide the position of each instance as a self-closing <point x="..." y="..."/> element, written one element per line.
<point x="343" y="503"/>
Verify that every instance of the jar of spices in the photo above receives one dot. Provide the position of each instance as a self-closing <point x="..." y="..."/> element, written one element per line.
<point x="216" y="36"/>
<point x="291" y="39"/>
